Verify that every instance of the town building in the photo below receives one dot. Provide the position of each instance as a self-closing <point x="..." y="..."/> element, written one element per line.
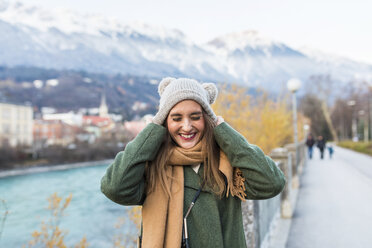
<point x="97" y="124"/>
<point x="66" y="128"/>
<point x="69" y="118"/>
<point x="53" y="132"/>
<point x="16" y="124"/>
<point x="100" y="124"/>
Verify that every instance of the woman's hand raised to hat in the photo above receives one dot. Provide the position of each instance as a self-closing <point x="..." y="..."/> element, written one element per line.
<point x="219" y="120"/>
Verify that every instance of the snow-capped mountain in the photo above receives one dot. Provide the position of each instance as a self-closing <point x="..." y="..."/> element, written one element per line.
<point x="62" y="39"/>
<point x="256" y="59"/>
<point x="336" y="65"/>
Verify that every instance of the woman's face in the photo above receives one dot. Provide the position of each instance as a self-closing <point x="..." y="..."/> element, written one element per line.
<point x="186" y="123"/>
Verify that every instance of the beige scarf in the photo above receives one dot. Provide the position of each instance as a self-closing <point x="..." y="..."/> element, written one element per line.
<point x="162" y="216"/>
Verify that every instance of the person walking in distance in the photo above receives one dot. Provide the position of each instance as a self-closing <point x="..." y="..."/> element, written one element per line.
<point x="190" y="170"/>
<point x="310" y="143"/>
<point x="321" y="146"/>
<point x="330" y="150"/>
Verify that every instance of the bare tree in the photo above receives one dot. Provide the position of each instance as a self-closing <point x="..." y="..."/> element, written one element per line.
<point x="311" y="106"/>
<point x="322" y="86"/>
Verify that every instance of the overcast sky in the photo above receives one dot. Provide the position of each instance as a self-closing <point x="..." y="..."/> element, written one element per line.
<point x="338" y="27"/>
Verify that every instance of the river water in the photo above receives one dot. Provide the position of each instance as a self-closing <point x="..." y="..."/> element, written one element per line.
<point x="89" y="214"/>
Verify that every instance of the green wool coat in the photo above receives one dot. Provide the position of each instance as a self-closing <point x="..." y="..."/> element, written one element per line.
<point x="213" y="222"/>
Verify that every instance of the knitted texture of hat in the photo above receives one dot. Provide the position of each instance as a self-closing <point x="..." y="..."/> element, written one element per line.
<point x="173" y="91"/>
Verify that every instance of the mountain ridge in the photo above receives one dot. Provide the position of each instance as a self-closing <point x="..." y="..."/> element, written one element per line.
<point x="67" y="40"/>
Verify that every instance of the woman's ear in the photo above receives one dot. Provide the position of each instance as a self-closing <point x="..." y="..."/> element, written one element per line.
<point x="212" y="91"/>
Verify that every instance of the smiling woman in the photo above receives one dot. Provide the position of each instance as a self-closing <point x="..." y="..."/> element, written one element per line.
<point x="189" y="154"/>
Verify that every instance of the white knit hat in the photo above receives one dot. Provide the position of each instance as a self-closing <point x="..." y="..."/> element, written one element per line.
<point x="173" y="91"/>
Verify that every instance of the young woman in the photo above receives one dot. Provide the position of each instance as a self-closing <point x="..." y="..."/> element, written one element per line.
<point x="190" y="171"/>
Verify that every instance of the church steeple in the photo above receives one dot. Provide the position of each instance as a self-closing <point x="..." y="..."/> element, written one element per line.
<point x="103" y="109"/>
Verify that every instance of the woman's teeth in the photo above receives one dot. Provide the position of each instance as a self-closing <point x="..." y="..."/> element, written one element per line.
<point x="187" y="136"/>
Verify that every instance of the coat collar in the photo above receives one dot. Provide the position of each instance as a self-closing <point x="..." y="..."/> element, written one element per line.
<point x="193" y="180"/>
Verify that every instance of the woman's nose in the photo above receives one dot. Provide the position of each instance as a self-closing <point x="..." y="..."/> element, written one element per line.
<point x="186" y="125"/>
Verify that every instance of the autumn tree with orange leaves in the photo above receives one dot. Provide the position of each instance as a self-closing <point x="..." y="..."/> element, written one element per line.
<point x="260" y="119"/>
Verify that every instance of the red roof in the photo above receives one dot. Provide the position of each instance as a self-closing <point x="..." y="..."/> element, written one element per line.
<point x="96" y="120"/>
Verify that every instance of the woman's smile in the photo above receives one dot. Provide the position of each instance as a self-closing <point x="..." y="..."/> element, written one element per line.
<point x="188" y="136"/>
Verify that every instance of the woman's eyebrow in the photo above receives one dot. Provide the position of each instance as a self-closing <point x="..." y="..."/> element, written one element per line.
<point x="175" y="114"/>
<point x="196" y="113"/>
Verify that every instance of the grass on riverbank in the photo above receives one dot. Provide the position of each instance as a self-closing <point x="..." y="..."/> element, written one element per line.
<point x="362" y="147"/>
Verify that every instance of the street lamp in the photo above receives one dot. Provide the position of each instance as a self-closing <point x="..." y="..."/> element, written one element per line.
<point x="306" y="129"/>
<point x="293" y="85"/>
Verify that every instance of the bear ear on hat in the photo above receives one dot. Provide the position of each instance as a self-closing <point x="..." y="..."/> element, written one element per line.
<point x="211" y="90"/>
<point x="164" y="83"/>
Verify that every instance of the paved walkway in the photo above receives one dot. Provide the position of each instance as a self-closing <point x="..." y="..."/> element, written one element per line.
<point x="334" y="205"/>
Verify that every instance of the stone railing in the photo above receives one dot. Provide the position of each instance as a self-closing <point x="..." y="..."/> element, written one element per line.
<point x="261" y="216"/>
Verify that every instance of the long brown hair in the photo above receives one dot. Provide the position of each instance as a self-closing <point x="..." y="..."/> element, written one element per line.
<point x="212" y="177"/>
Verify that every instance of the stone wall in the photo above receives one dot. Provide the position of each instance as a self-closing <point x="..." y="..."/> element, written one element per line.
<point x="261" y="216"/>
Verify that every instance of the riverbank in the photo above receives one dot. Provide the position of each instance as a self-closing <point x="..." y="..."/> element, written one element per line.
<point x="46" y="168"/>
<point x="90" y="214"/>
